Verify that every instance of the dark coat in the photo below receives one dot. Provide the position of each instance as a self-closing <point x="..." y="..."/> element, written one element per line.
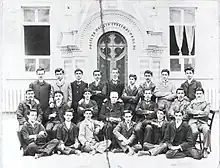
<point x="190" y="89"/>
<point x="23" y="109"/>
<point x="178" y="136"/>
<point x="43" y="93"/>
<point x="119" y="87"/>
<point x="159" y="132"/>
<point x="63" y="133"/>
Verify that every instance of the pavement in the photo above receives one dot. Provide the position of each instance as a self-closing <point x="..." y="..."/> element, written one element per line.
<point x="12" y="156"/>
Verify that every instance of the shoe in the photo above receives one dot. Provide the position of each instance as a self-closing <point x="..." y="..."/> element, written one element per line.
<point x="137" y="147"/>
<point x="93" y="152"/>
<point x="38" y="155"/>
<point x="205" y="153"/>
<point x="77" y="152"/>
<point x="116" y="150"/>
<point x="142" y="153"/>
<point x="131" y="152"/>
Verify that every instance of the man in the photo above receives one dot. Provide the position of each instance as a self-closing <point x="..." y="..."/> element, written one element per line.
<point x="54" y="116"/>
<point x="115" y="84"/>
<point x="190" y="85"/>
<point x="62" y="85"/>
<point x="179" y="104"/>
<point x="198" y="112"/>
<point x="130" y="94"/>
<point x="98" y="88"/>
<point x="148" y="84"/>
<point x="43" y="91"/>
<point x="111" y="114"/>
<point x="125" y="134"/>
<point x="165" y="91"/>
<point x="34" y="137"/>
<point x="25" y="106"/>
<point x="87" y="134"/>
<point x="78" y="87"/>
<point x="86" y="103"/>
<point x="67" y="134"/>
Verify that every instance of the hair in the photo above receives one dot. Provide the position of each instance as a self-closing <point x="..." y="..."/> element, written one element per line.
<point x="127" y="111"/>
<point x="189" y="69"/>
<point x="200" y="89"/>
<point x="58" y="91"/>
<point x="146" y="90"/>
<point x="163" y="110"/>
<point x="31" y="110"/>
<point x="133" y="76"/>
<point x="148" y="72"/>
<point x="116" y="69"/>
<point x="29" y="90"/>
<point x="87" y="90"/>
<point x="178" y="111"/>
<point x="165" y="70"/>
<point x="88" y="109"/>
<point x="179" y="89"/>
<point x="70" y="110"/>
<point x="59" y="70"/>
<point x="78" y="70"/>
<point x="40" y="69"/>
<point x="97" y="70"/>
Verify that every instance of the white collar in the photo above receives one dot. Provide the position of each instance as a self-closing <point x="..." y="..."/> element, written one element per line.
<point x="178" y="124"/>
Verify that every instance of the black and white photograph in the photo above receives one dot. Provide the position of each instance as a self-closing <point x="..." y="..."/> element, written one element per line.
<point x="110" y="83"/>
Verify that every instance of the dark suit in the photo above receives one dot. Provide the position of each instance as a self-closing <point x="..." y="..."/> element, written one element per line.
<point x="77" y="93"/>
<point x="118" y="87"/>
<point x="190" y="89"/>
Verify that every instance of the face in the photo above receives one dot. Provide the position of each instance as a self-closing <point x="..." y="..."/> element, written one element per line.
<point x="132" y="80"/>
<point x="40" y="75"/>
<point x="189" y="75"/>
<point x="164" y="76"/>
<point x="58" y="97"/>
<point x="147" y="77"/>
<point x="88" y="114"/>
<point x="127" y="117"/>
<point x="180" y="94"/>
<point x="68" y="116"/>
<point x="32" y="116"/>
<point x="97" y="76"/>
<point x="160" y="115"/>
<point x="78" y="75"/>
<point x="114" y="97"/>
<point x="147" y="94"/>
<point x="199" y="95"/>
<point x="87" y="95"/>
<point x="178" y="116"/>
<point x="30" y="95"/>
<point x="59" y="75"/>
<point x="115" y="74"/>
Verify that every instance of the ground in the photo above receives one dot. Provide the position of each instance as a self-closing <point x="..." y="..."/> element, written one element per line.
<point x="12" y="156"/>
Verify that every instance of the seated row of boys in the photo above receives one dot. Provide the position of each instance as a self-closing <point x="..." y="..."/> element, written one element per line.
<point x="150" y="133"/>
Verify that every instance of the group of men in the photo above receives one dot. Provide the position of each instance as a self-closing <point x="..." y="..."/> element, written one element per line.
<point x="68" y="118"/>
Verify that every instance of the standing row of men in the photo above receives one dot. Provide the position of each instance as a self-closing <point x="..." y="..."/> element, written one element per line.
<point x="116" y="106"/>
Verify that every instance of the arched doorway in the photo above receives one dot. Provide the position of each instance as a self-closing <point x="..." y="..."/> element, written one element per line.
<point x="116" y="55"/>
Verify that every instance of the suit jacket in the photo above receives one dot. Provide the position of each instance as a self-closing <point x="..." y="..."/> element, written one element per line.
<point x="28" y="129"/>
<point x="122" y="131"/>
<point x="162" y="90"/>
<point x="86" y="131"/>
<point x="129" y="93"/>
<point x="43" y="93"/>
<point x="77" y="92"/>
<point x="63" y="133"/>
<point x="190" y="89"/>
<point x="183" y="133"/>
<point x="23" y="109"/>
<point x="98" y="97"/>
<point x="119" y="87"/>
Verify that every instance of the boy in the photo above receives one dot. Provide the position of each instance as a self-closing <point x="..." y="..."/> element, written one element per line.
<point x="34" y="136"/>
<point x="28" y="104"/>
<point x="87" y="131"/>
<point x="130" y="94"/>
<point x="98" y="88"/>
<point x="124" y="133"/>
<point x="78" y="87"/>
<point x="43" y="91"/>
<point x="198" y="112"/>
<point x="115" y="84"/>
<point x="159" y="126"/>
<point x="179" y="104"/>
<point x="62" y="85"/>
<point x="145" y="111"/>
<point x="190" y="85"/>
<point x="54" y="116"/>
<point x="67" y="133"/>
<point x="87" y="103"/>
<point x="165" y="91"/>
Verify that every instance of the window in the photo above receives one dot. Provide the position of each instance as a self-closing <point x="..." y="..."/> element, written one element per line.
<point x="36" y="38"/>
<point x="182" y="38"/>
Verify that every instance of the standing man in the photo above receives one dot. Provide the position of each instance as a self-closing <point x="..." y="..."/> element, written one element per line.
<point x="78" y="87"/>
<point x="42" y="89"/>
<point x="190" y="85"/>
<point x="62" y="85"/>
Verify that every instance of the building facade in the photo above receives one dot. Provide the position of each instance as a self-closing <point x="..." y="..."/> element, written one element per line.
<point x="132" y="35"/>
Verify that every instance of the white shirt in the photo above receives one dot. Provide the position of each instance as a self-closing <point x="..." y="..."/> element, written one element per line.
<point x="189" y="81"/>
<point x="68" y="124"/>
<point x="178" y="124"/>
